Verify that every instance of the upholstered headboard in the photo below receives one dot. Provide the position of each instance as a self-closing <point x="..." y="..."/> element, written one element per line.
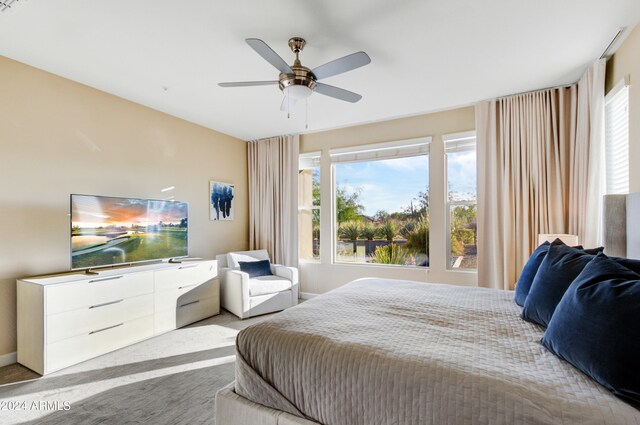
<point x="622" y="225"/>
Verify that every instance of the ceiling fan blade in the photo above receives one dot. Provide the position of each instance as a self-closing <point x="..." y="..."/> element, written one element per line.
<point x="248" y="83"/>
<point x="269" y="55"/>
<point x="287" y="104"/>
<point x="338" y="93"/>
<point x="344" y="64"/>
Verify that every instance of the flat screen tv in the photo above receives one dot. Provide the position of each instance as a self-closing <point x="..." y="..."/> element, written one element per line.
<point x="108" y="231"/>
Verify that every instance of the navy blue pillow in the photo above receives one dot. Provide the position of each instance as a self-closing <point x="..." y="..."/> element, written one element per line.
<point x="256" y="268"/>
<point x="595" y="327"/>
<point x="529" y="273"/>
<point x="592" y="251"/>
<point x="533" y="264"/>
<point x="633" y="265"/>
<point x="560" y="266"/>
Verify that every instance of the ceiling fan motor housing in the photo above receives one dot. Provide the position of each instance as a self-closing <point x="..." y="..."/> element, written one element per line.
<point x="302" y="76"/>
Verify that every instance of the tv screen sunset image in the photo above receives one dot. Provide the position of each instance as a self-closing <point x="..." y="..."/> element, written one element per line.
<point x="107" y="230"/>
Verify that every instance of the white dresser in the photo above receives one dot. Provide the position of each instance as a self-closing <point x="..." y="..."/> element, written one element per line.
<point x="66" y="319"/>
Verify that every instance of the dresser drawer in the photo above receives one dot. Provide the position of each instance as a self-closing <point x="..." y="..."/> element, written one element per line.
<point x="186" y="313"/>
<point x="79" y="322"/>
<point x="65" y="319"/>
<point x="95" y="291"/>
<point x="186" y="294"/>
<point x="70" y="351"/>
<point x="187" y="274"/>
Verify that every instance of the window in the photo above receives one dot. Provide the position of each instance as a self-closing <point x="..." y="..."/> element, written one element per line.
<point x="617" y="139"/>
<point x="382" y="203"/>
<point x="309" y="207"/>
<point x="460" y="152"/>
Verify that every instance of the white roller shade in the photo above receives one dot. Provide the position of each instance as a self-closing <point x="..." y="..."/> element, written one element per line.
<point x="309" y="160"/>
<point x="617" y="139"/>
<point x="389" y="150"/>
<point x="460" y="142"/>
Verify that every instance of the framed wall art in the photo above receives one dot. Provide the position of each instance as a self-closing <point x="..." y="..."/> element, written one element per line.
<point x="221" y="203"/>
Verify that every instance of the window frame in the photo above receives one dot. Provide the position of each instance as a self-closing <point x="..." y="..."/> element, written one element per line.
<point x="462" y="142"/>
<point x="306" y="161"/>
<point x="618" y="92"/>
<point x="368" y="153"/>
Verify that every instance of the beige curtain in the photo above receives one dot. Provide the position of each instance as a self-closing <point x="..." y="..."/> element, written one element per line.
<point x="535" y="162"/>
<point x="587" y="169"/>
<point x="273" y="197"/>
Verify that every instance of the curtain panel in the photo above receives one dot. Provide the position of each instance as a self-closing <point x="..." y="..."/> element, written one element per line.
<point x="539" y="171"/>
<point x="273" y="197"/>
<point x="587" y="166"/>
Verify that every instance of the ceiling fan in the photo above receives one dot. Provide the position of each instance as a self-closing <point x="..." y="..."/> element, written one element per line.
<point x="298" y="82"/>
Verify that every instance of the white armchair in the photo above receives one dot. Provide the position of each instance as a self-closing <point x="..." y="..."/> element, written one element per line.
<point x="245" y="296"/>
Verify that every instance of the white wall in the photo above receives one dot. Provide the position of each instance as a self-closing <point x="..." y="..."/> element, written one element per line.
<point x="319" y="277"/>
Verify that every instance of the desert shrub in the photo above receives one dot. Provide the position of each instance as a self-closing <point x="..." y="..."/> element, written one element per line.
<point x="418" y="238"/>
<point x="368" y="231"/>
<point x="349" y="230"/>
<point x="388" y="230"/>
<point x="460" y="237"/>
<point x="464" y="236"/>
<point x="457" y="247"/>
<point x="407" y="228"/>
<point x="390" y="254"/>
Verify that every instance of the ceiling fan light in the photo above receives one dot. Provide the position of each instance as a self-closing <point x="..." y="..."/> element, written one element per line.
<point x="297" y="92"/>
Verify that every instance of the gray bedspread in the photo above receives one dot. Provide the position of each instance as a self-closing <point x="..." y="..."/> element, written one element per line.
<point x="380" y="351"/>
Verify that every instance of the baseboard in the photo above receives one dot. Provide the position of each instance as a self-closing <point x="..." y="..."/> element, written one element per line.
<point x="307" y="295"/>
<point x="9" y="358"/>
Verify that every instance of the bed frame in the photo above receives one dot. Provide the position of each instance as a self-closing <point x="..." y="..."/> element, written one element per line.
<point x="232" y="409"/>
<point x="621" y="239"/>
<point x="621" y="236"/>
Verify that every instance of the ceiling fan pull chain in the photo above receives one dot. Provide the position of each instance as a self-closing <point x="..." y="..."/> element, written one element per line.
<point x="306" y="113"/>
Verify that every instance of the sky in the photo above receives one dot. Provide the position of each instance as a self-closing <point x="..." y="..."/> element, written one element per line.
<point x="391" y="184"/>
<point x="96" y="211"/>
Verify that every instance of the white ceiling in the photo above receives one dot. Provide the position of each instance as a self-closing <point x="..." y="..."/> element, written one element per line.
<point x="426" y="55"/>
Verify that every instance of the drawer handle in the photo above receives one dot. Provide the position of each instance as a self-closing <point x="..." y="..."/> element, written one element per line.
<point x="105" y="278"/>
<point x="187" y="286"/>
<point x="192" y="302"/>
<point x="108" y="303"/>
<point x="105" y="329"/>
<point x="187" y="267"/>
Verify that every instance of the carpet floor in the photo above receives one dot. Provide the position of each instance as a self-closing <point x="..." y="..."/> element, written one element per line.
<point x="168" y="379"/>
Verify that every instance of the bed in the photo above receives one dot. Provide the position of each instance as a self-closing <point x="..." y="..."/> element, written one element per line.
<point x="380" y="351"/>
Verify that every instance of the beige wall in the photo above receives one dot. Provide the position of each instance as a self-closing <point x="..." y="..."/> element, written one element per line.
<point x="626" y="61"/>
<point x="324" y="276"/>
<point x="58" y="137"/>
